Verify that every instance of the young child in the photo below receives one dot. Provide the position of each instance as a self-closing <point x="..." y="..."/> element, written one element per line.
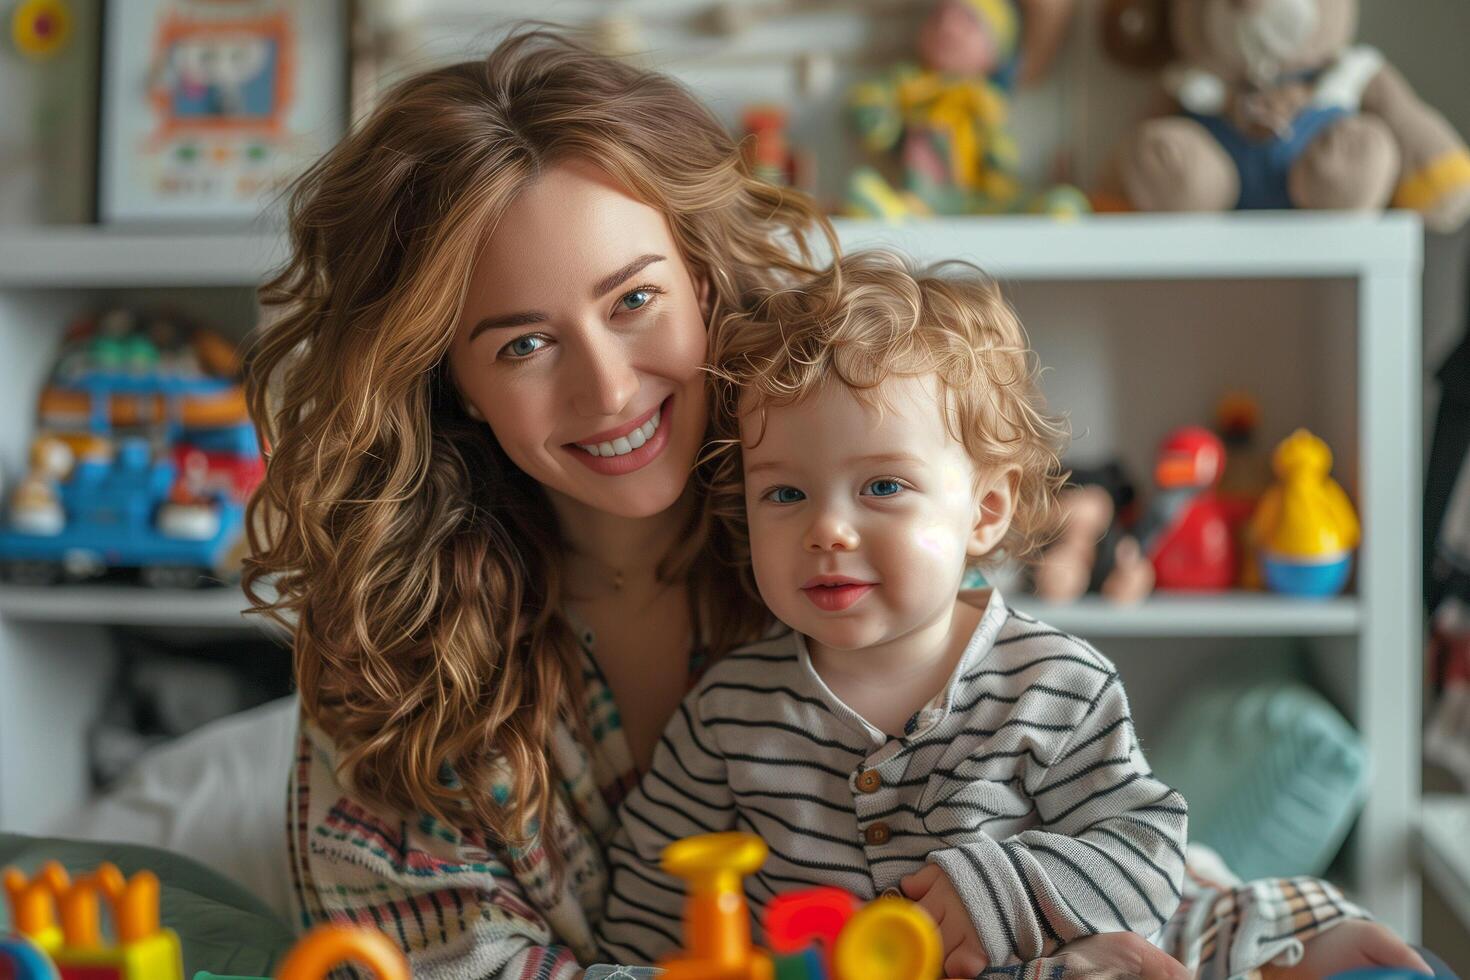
<point x="885" y="434"/>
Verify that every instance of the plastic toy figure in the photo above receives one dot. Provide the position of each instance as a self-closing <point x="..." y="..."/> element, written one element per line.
<point x="139" y="948"/>
<point x="769" y="151"/>
<point x="74" y="948"/>
<point x="1246" y="477"/>
<point x="947" y="117"/>
<point x="1094" y="551"/>
<point x="35" y="507"/>
<point x="1186" y="533"/>
<point x="1305" y="526"/>
<point x="145" y="462"/>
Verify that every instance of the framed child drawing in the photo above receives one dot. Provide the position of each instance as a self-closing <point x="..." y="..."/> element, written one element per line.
<point x="210" y="107"/>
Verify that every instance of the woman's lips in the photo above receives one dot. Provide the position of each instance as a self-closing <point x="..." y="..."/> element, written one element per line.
<point x="835" y="598"/>
<point x="638" y="458"/>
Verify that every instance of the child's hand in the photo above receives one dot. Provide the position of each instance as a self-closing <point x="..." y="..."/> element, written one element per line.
<point x="935" y="894"/>
<point x="1350" y="946"/>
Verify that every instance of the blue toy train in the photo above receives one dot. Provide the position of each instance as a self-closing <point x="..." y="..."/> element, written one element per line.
<point x="144" y="459"/>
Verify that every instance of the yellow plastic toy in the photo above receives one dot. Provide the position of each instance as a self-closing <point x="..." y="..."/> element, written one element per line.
<point x="1305" y="527"/>
<point x="141" y="949"/>
<point x="888" y="939"/>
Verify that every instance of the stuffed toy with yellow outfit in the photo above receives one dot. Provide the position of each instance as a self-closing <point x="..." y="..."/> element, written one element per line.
<point x="1277" y="108"/>
<point x="947" y="117"/>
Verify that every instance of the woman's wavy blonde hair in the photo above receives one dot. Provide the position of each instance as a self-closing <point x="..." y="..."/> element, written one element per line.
<point x="869" y="317"/>
<point x="418" y="568"/>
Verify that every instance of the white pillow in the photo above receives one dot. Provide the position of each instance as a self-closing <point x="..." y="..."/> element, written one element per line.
<point x="217" y="795"/>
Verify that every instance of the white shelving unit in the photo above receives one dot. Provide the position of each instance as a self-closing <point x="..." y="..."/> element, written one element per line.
<point x="1444" y="842"/>
<point x="51" y="642"/>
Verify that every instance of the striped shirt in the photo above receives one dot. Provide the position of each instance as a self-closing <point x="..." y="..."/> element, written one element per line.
<point x="466" y="908"/>
<point x="1022" y="779"/>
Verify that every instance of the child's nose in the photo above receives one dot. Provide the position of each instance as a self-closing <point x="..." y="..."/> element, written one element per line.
<point x="831" y="532"/>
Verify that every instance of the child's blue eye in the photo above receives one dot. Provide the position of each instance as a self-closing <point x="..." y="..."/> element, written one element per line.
<point x="785" y="495"/>
<point x="636" y="299"/>
<point x="885" y="488"/>
<point x="520" y="347"/>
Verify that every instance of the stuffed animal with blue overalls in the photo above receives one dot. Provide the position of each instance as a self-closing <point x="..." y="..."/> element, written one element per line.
<point x="1278" y="109"/>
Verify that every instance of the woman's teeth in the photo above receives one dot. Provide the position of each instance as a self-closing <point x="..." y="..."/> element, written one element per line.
<point x="623" y="445"/>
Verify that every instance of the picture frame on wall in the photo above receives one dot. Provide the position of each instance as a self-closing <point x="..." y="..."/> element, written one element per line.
<point x="209" y="108"/>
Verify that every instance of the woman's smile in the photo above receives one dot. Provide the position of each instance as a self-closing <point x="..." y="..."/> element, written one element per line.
<point x="630" y="447"/>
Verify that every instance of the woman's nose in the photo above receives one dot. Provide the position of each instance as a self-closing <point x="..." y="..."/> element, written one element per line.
<point x="606" y="380"/>
<point x="831" y="531"/>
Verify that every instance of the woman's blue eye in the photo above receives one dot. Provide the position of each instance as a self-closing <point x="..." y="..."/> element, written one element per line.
<point x="520" y="347"/>
<point x="637" y="298"/>
<point x="785" y="495"/>
<point x="885" y="488"/>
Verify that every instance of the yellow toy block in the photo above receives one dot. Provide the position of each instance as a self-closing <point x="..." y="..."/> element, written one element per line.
<point x="139" y="950"/>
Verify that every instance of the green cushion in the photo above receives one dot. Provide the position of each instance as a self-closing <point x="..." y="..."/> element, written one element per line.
<point x="1274" y="775"/>
<point x="221" y="926"/>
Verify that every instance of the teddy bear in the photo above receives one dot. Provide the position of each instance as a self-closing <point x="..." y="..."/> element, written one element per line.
<point x="1277" y="108"/>
<point x="946" y="117"/>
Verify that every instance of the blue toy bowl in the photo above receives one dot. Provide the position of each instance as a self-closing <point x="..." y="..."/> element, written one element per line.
<point x="1307" y="579"/>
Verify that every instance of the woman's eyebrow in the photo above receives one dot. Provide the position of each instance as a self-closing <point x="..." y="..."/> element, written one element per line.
<point x="520" y="319"/>
<point x="604" y="286"/>
<point x="608" y="283"/>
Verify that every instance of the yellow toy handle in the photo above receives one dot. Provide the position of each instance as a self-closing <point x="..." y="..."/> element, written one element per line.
<point x="327" y="947"/>
<point x="716" y="917"/>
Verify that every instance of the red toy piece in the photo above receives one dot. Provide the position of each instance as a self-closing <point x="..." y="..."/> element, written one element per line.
<point x="1186" y="533"/>
<point x="797" y="919"/>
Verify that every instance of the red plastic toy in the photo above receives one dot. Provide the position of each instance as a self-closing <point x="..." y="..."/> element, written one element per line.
<point x="1187" y="533"/>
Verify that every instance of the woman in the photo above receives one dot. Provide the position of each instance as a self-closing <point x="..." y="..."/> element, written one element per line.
<point x="485" y="399"/>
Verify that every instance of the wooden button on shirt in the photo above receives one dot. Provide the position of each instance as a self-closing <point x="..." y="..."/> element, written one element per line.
<point x="877" y="833"/>
<point x="869" y="781"/>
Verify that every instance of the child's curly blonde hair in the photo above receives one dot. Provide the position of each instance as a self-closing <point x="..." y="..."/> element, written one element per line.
<point x="872" y="316"/>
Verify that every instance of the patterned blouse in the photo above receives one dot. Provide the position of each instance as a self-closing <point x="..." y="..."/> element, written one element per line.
<point x="467" y="908"/>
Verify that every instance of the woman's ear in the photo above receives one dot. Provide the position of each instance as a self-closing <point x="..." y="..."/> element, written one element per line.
<point x="995" y="505"/>
<point x="705" y="293"/>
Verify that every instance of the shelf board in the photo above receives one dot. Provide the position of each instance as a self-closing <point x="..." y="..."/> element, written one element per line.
<point x="1231" y="614"/>
<point x="1443" y="830"/>
<point x="1226" y="614"/>
<point x="1238" y="245"/>
<point x="128" y="605"/>
<point x="1269" y="244"/>
<point x="87" y="256"/>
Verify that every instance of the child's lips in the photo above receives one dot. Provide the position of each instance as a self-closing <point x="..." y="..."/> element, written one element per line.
<point x="835" y="598"/>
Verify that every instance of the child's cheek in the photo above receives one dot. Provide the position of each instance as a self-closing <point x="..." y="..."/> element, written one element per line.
<point x="936" y="541"/>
